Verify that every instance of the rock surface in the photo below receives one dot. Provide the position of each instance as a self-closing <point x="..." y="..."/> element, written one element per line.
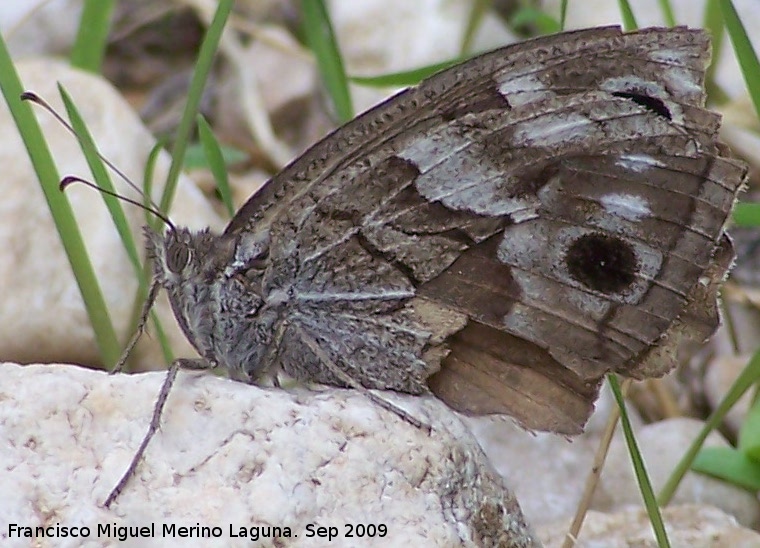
<point x="721" y="375"/>
<point x="692" y="525"/>
<point x="662" y="445"/>
<point x="35" y="27"/>
<point x="234" y="455"/>
<point x="546" y="472"/>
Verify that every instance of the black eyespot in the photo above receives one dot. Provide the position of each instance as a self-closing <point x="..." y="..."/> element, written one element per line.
<point x="177" y="256"/>
<point x="650" y="103"/>
<point x="602" y="263"/>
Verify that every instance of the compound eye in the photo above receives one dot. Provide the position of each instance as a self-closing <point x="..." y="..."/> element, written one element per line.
<point x="177" y="257"/>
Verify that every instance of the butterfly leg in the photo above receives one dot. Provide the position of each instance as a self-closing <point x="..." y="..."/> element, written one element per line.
<point x="195" y="364"/>
<point x="269" y="367"/>
<point x="155" y="420"/>
<point x="147" y="305"/>
<point x="348" y="380"/>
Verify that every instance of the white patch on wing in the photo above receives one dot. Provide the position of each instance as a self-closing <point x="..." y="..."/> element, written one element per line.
<point x="463" y="182"/>
<point x="520" y="90"/>
<point x="671" y="56"/>
<point x="682" y="80"/>
<point x="677" y="71"/>
<point x="638" y="162"/>
<point x="429" y="150"/>
<point x="626" y="206"/>
<point x="358" y="296"/>
<point x="552" y="129"/>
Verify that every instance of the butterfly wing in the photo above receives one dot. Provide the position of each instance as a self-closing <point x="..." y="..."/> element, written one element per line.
<point x="515" y="226"/>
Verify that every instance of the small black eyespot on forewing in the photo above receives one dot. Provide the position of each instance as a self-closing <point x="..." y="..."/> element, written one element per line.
<point x="652" y="104"/>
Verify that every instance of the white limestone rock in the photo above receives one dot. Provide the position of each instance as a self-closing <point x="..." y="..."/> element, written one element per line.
<point x="547" y="472"/>
<point x="36" y="27"/>
<point x="43" y="318"/>
<point x="385" y="36"/>
<point x="692" y="525"/>
<point x="230" y="454"/>
<point x="662" y="446"/>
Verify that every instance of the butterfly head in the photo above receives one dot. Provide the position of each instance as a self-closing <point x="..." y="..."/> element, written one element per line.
<point x="180" y="254"/>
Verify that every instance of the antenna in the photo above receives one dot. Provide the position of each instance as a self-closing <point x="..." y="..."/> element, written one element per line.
<point x="71" y="179"/>
<point x="34" y="98"/>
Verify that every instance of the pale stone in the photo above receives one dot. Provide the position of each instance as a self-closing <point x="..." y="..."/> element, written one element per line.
<point x="696" y="526"/>
<point x="382" y="36"/>
<point x="231" y="453"/>
<point x="662" y="445"/>
<point x="270" y="80"/>
<point x="547" y="472"/>
<point x="739" y="132"/>
<point x="376" y="37"/>
<point x="732" y="347"/>
<point x="43" y="317"/>
<point x="721" y="375"/>
<point x="290" y="67"/>
<point x="35" y="27"/>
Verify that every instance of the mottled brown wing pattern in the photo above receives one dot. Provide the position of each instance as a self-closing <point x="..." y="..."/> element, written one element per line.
<point x="515" y="227"/>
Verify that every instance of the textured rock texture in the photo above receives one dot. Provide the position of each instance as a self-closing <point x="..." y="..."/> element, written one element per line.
<point x="232" y="456"/>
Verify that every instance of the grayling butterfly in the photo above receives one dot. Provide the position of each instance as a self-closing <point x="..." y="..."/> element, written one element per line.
<point x="501" y="235"/>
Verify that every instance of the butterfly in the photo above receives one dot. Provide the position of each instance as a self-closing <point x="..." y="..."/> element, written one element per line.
<point x="501" y="235"/>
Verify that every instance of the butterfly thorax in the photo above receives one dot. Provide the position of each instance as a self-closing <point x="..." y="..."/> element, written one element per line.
<point x="215" y="285"/>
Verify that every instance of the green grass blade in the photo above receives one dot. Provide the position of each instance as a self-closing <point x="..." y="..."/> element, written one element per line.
<point x="147" y="188"/>
<point x="626" y="14"/>
<point x="540" y="20"/>
<point x="667" y="13"/>
<point x="745" y="54"/>
<point x="92" y="36"/>
<point x="102" y="179"/>
<point x="320" y="38"/>
<point x="154" y="222"/>
<point x="216" y="163"/>
<point x="728" y="464"/>
<point x="562" y="14"/>
<point x="200" y="76"/>
<point x="195" y="157"/>
<point x="746" y="379"/>
<point x="60" y="209"/>
<point x="749" y="434"/>
<point x="404" y="78"/>
<point x="474" y="20"/>
<point x="747" y="214"/>
<point x="713" y="22"/>
<point x="645" y="485"/>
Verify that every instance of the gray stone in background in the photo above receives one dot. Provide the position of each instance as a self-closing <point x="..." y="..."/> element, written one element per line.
<point x="662" y="446"/>
<point x="548" y="473"/>
<point x="692" y="525"/>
